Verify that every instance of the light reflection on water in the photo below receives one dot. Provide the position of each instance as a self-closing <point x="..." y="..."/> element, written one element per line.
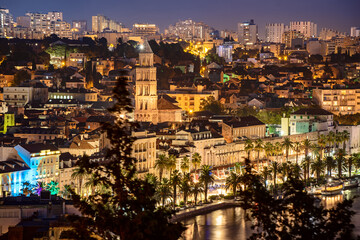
<point x="226" y="224"/>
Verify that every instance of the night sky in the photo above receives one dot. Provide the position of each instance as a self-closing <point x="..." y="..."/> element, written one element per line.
<point x="337" y="14"/>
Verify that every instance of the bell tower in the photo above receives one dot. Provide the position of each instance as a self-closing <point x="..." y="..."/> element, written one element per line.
<point x="146" y="87"/>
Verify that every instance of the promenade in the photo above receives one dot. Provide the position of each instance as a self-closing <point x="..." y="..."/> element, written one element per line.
<point x="199" y="210"/>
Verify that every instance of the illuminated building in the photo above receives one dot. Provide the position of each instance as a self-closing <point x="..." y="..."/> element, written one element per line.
<point x="32" y="163"/>
<point x="288" y="37"/>
<point x="23" y="21"/>
<point x="274" y="32"/>
<point x="144" y="29"/>
<point x="148" y="106"/>
<point x="225" y="51"/>
<point x="307" y="120"/>
<point x="101" y="23"/>
<point x="249" y="127"/>
<point x="6" y="21"/>
<point x="355" y="31"/>
<point x="77" y="60"/>
<point x="338" y="101"/>
<point x="307" y="28"/>
<point x="79" y="25"/>
<point x="188" y="98"/>
<point x="146" y="87"/>
<point x="247" y="33"/>
<point x="189" y="30"/>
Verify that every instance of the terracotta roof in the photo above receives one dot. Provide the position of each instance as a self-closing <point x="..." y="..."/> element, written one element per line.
<point x="164" y="104"/>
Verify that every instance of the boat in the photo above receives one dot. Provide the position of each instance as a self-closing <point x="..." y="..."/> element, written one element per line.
<point x="314" y="190"/>
<point x="351" y="184"/>
<point x="332" y="188"/>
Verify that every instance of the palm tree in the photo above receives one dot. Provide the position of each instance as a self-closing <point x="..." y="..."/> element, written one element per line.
<point x="206" y="178"/>
<point x="265" y="174"/>
<point x="322" y="144"/>
<point x="171" y="163"/>
<point x="175" y="181"/>
<point x="350" y="162"/>
<point x="278" y="149"/>
<point x="331" y="139"/>
<point x="259" y="146"/>
<point x="306" y="145"/>
<point x="340" y="160"/>
<point x="287" y="145"/>
<point x="338" y="139"/>
<point x="274" y="169"/>
<point x="197" y="188"/>
<point x="161" y="164"/>
<point x="295" y="170"/>
<point x="317" y="167"/>
<point x="79" y="174"/>
<point x="185" y="164"/>
<point x="232" y="181"/>
<point x="297" y="148"/>
<point x="329" y="164"/>
<point x="269" y="149"/>
<point x="185" y="186"/>
<point x="345" y="137"/>
<point x="249" y="146"/>
<point x="196" y="160"/>
<point x="152" y="179"/>
<point x="284" y="169"/>
<point x="306" y="165"/>
<point x="164" y="190"/>
<point x="237" y="167"/>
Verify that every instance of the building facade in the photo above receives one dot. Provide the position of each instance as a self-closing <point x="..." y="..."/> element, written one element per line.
<point x="274" y="32"/>
<point x="247" y="33"/>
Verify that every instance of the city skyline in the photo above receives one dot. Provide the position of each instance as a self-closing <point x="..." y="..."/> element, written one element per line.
<point x="327" y="14"/>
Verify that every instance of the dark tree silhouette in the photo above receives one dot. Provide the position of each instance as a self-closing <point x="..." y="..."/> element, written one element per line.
<point x="125" y="207"/>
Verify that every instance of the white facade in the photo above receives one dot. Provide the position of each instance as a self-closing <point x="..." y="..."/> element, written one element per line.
<point x="355" y="31"/>
<point x="225" y="51"/>
<point x="247" y="33"/>
<point x="101" y="23"/>
<point x="6" y="21"/>
<point x="274" y="32"/>
<point x="18" y="96"/>
<point x="307" y="28"/>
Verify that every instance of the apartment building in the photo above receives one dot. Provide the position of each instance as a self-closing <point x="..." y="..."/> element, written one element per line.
<point x="338" y="101"/>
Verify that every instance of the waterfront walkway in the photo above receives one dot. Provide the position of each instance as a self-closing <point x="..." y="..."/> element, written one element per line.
<point x="206" y="208"/>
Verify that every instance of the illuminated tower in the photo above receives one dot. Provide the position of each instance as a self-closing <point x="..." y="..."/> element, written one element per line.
<point x="146" y="87"/>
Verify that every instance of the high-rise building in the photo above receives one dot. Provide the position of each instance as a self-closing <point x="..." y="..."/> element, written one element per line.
<point x="49" y="23"/>
<point x="101" y="23"/>
<point x="274" y="32"/>
<point x="144" y="29"/>
<point x="248" y="33"/>
<point x="328" y="34"/>
<point x="189" y="30"/>
<point x="288" y="38"/>
<point x="79" y="25"/>
<point x="309" y="29"/>
<point x="146" y="97"/>
<point x="355" y="31"/>
<point x="6" y="21"/>
<point x="55" y="16"/>
<point x="23" y="21"/>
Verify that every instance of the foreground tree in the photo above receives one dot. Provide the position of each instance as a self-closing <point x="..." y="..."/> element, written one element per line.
<point x="175" y="181"/>
<point x="232" y="181"/>
<point x="206" y="178"/>
<point x="295" y="215"/>
<point x="128" y="209"/>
